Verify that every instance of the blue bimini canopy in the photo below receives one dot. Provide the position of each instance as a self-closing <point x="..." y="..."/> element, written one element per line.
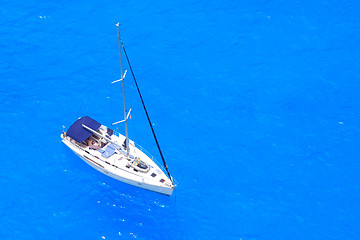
<point x="78" y="132"/>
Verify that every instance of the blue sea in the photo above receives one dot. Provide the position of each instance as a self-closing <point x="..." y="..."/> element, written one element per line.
<point x="255" y="105"/>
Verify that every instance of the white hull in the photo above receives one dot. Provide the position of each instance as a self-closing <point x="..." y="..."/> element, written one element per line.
<point x="117" y="167"/>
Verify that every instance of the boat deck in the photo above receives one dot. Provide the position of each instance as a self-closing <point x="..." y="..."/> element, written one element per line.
<point x="119" y="166"/>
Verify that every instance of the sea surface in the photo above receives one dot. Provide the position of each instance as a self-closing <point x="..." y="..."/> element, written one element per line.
<point x="256" y="106"/>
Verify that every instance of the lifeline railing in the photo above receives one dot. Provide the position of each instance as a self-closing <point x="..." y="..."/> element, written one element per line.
<point x="148" y="154"/>
<point x="175" y="183"/>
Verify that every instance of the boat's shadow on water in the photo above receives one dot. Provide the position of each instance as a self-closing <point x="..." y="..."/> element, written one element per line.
<point x="135" y="210"/>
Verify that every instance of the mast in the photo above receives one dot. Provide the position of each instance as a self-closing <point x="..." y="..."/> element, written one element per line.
<point x="123" y="92"/>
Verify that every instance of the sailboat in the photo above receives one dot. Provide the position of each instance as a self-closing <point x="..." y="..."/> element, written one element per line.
<point x="114" y="154"/>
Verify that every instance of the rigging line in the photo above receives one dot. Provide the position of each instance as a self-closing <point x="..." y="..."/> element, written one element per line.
<point x="147" y="115"/>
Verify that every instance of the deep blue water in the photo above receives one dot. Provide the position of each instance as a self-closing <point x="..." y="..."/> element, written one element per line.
<point x="255" y="104"/>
